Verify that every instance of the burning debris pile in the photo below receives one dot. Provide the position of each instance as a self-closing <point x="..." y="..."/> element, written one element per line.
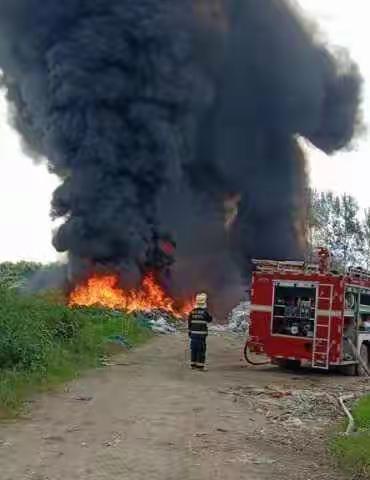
<point x="149" y="304"/>
<point x="106" y="291"/>
<point x="174" y="127"/>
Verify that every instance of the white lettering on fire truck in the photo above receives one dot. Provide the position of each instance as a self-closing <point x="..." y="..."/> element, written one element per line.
<point x="261" y="308"/>
<point x="329" y="313"/>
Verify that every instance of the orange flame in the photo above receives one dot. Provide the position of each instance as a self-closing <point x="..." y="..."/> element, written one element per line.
<point x="104" y="290"/>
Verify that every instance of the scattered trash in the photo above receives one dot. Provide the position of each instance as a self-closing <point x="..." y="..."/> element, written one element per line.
<point x="294" y="422"/>
<point x="264" y="461"/>
<point x="248" y="458"/>
<point x="158" y="321"/>
<point x="293" y="406"/>
<point x="106" y="363"/>
<point x="73" y="428"/>
<point x="119" y="340"/>
<point x="116" y="440"/>
<point x="311" y="405"/>
<point x="32" y="475"/>
<point x="54" y="438"/>
<point x="280" y="394"/>
<point x="198" y="409"/>
<point x="5" y="443"/>
<point x="84" y="398"/>
<point x="161" y="325"/>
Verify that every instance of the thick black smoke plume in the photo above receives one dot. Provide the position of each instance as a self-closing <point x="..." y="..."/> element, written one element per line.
<point x="103" y="91"/>
<point x="153" y="113"/>
<point x="276" y="82"/>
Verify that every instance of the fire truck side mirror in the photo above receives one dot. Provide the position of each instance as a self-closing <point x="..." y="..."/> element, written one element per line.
<point x="350" y="301"/>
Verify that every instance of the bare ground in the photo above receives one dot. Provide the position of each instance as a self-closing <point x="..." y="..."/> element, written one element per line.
<point x="150" y="418"/>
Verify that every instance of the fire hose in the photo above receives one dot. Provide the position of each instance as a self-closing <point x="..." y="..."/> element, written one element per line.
<point x="342" y="399"/>
<point x="248" y="360"/>
<point x="351" y="423"/>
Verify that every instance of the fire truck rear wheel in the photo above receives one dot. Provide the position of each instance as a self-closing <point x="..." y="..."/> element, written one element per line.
<point x="347" y="370"/>
<point x="364" y="354"/>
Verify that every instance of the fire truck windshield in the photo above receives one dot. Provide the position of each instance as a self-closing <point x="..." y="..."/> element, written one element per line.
<point x="294" y="311"/>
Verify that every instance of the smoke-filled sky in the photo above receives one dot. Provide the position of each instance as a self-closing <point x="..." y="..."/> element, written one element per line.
<point x="25" y="198"/>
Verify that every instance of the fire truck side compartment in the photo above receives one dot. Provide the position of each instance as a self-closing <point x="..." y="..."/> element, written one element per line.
<point x="297" y="316"/>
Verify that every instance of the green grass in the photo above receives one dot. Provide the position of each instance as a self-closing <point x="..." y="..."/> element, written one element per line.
<point x="361" y="414"/>
<point x="44" y="343"/>
<point x="353" y="452"/>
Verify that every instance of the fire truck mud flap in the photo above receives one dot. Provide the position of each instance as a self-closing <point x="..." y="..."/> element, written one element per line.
<point x="287" y="364"/>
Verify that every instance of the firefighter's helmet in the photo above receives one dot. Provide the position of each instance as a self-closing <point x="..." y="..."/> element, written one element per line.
<point x="201" y="300"/>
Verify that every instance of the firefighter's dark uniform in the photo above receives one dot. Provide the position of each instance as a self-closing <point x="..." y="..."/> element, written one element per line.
<point x="198" y="322"/>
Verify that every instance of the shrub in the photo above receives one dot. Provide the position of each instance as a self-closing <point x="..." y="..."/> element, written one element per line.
<point x="43" y="343"/>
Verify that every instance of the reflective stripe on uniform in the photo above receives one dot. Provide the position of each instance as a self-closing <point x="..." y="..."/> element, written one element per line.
<point x="199" y="322"/>
<point x="196" y="332"/>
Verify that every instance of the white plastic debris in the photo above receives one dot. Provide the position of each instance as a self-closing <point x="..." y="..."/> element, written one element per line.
<point x="239" y="318"/>
<point x="161" y="325"/>
<point x="158" y="321"/>
<point x="217" y="328"/>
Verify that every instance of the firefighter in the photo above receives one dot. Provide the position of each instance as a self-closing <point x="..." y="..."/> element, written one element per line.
<point x="198" y="322"/>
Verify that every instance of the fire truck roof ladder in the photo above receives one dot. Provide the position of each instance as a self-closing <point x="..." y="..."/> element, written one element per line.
<point x="321" y="340"/>
<point x="271" y="266"/>
<point x="358" y="273"/>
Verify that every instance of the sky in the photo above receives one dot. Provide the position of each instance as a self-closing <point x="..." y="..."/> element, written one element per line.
<point x="345" y="22"/>
<point x="26" y="188"/>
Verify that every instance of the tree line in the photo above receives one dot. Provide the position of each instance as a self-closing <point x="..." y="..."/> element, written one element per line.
<point x="333" y="221"/>
<point x="338" y="223"/>
<point x="15" y="274"/>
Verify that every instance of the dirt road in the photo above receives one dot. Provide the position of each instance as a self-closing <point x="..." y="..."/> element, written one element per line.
<point x="152" y="418"/>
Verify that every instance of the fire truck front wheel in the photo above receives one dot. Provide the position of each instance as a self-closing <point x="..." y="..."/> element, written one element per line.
<point x="287" y="364"/>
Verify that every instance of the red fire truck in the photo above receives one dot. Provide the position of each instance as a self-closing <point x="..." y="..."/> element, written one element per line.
<point x="307" y="313"/>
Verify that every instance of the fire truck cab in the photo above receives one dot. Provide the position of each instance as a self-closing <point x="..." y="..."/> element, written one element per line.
<point x="305" y="313"/>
